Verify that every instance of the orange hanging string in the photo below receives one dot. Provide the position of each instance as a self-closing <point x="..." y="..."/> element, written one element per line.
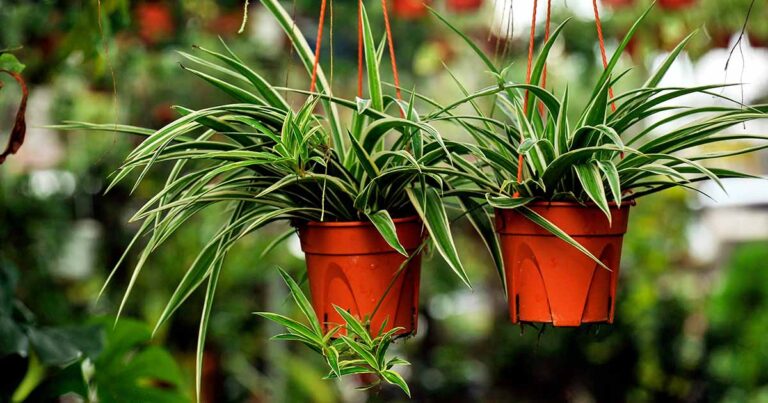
<point x="520" y="161"/>
<point x="392" y="54"/>
<point x="360" y="48"/>
<point x="530" y="54"/>
<point x="599" y="26"/>
<point x="318" y="46"/>
<point x="546" y="38"/>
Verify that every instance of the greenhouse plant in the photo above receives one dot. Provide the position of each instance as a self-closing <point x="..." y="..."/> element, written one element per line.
<point x="549" y="195"/>
<point x="562" y="188"/>
<point x="364" y="199"/>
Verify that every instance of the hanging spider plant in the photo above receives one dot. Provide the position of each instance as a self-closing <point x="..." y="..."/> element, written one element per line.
<point x="579" y="176"/>
<point x="604" y="157"/>
<point x="264" y="161"/>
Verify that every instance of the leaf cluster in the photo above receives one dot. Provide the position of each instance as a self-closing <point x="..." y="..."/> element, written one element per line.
<point x="348" y="348"/>
<point x="608" y="155"/>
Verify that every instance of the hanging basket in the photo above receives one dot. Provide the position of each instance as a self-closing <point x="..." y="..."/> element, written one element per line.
<point x="350" y="265"/>
<point x="464" y="6"/>
<point x="550" y="281"/>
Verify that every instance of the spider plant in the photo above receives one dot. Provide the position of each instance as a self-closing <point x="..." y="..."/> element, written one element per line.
<point x="604" y="156"/>
<point x="355" y="353"/>
<point x="264" y="161"/>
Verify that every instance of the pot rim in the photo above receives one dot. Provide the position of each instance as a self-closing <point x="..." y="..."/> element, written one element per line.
<point x="538" y="203"/>
<point x="337" y="224"/>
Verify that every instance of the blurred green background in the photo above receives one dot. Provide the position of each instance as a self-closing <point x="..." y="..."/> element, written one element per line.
<point x="692" y="318"/>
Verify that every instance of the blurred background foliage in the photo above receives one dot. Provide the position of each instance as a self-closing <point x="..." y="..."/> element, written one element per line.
<point x="686" y="330"/>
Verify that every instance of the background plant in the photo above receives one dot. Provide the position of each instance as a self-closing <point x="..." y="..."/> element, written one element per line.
<point x="87" y="360"/>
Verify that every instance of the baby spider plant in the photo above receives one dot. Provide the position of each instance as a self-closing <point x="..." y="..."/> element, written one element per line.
<point x="356" y="352"/>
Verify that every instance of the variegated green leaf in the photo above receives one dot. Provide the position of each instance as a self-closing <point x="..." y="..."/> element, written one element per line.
<point x="432" y="212"/>
<point x="386" y="227"/>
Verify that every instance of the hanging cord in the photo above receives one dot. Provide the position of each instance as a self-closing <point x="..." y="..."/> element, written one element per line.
<point x="546" y="39"/>
<point x="520" y="160"/>
<point x="330" y="40"/>
<point x="391" y="44"/>
<point x="290" y="53"/>
<point x="506" y="24"/>
<point x="508" y="32"/>
<point x="360" y="48"/>
<point x="111" y="67"/>
<point x="599" y="26"/>
<point x="530" y="57"/>
<point x="318" y="45"/>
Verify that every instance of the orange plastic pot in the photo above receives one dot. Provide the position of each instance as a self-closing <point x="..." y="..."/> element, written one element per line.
<point x="350" y="265"/>
<point x="550" y="281"/>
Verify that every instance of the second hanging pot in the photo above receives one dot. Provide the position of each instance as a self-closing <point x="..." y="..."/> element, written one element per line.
<point x="350" y="265"/>
<point x="550" y="281"/>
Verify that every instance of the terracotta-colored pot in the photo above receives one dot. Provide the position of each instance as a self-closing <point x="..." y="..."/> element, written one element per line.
<point x="550" y="281"/>
<point x="464" y="5"/>
<point x="676" y="4"/>
<point x="410" y="9"/>
<point x="349" y="264"/>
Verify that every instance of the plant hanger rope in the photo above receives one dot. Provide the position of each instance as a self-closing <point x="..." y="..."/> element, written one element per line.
<point x="604" y="57"/>
<point x="392" y="52"/>
<point x="390" y="42"/>
<point x="546" y="38"/>
<point x="318" y="46"/>
<point x="599" y="27"/>
<point x="360" y="48"/>
<point x="531" y="40"/>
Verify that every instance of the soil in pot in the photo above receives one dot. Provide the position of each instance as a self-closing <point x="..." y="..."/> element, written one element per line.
<point x="349" y="264"/>
<point x="550" y="281"/>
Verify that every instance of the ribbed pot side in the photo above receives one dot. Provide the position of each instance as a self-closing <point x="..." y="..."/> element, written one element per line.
<point x="550" y="281"/>
<point x="349" y="264"/>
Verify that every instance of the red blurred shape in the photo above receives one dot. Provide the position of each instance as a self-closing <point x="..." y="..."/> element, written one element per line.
<point x="155" y="22"/>
<point x="676" y="4"/>
<point x="464" y="5"/>
<point x="410" y="9"/>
